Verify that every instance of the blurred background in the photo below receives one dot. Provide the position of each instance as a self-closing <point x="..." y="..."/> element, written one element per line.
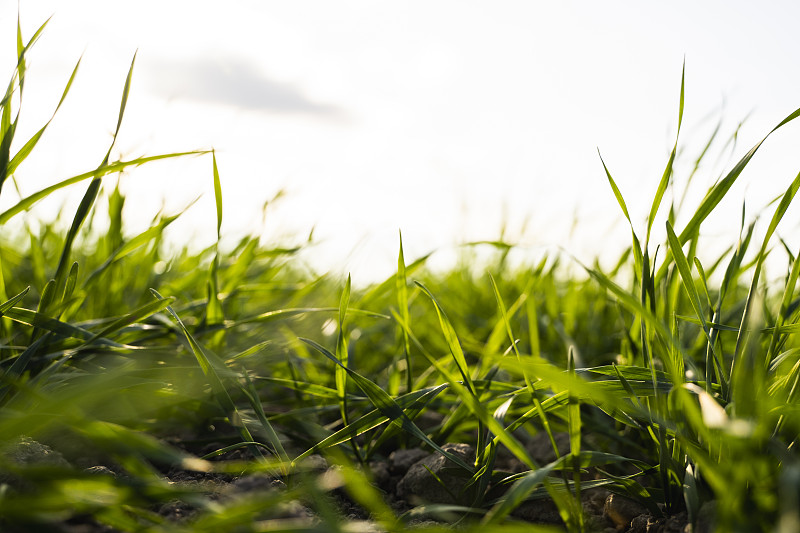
<point x="454" y="121"/>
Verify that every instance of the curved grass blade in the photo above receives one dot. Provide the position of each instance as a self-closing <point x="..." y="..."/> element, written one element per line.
<point x="408" y="402"/>
<point x="133" y="244"/>
<point x="220" y="392"/>
<point x="7" y="128"/>
<point x="451" y="339"/>
<point x="214" y="313"/>
<point x="29" y="201"/>
<point x="662" y="186"/>
<point x="401" y="284"/>
<point x="5" y="306"/>
<point x="688" y="283"/>
<point x="28" y="147"/>
<point x="536" y="401"/>
<point x="521" y="489"/>
<point x="745" y="378"/>
<point x="57" y="327"/>
<point x="91" y="192"/>
<point x="718" y="191"/>
<point x="281" y="313"/>
<point x="386" y="405"/>
<point x="472" y="402"/>
<point x="637" y="247"/>
<point x="137" y="315"/>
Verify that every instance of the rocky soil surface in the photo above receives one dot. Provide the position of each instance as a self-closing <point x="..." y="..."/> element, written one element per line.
<point x="404" y="477"/>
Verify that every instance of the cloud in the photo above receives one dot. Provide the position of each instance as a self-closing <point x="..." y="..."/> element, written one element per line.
<point x="233" y="82"/>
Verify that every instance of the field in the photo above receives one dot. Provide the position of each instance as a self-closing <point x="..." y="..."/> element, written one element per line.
<point x="235" y="389"/>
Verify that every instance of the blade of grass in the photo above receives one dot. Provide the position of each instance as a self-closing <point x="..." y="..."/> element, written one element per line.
<point x="534" y="395"/>
<point x="662" y="185"/>
<point x="401" y="284"/>
<point x="386" y="405"/>
<point x="209" y="370"/>
<point x="26" y="203"/>
<point x="718" y="191"/>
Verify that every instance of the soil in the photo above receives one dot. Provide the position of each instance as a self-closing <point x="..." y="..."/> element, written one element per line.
<point x="404" y="478"/>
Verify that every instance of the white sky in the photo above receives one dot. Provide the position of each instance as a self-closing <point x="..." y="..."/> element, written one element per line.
<point x="443" y="119"/>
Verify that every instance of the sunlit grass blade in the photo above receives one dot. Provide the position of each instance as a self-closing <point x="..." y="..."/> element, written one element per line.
<point x="451" y="339"/>
<point x="91" y="192"/>
<point x="718" y="191"/>
<point x="266" y="426"/>
<point x="665" y="177"/>
<point x="8" y="304"/>
<point x="214" y="312"/>
<point x="402" y="305"/>
<point x="29" y="201"/>
<point x="574" y="429"/>
<point x="786" y="200"/>
<point x="688" y="281"/>
<point x="7" y="127"/>
<point x="637" y="247"/>
<point x="44" y="322"/>
<point x="28" y="147"/>
<point x="133" y="317"/>
<point x="131" y="245"/>
<point x="752" y="374"/>
<point x="534" y="395"/>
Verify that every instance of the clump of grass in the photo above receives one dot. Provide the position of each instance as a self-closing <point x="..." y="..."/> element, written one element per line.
<point x="672" y="389"/>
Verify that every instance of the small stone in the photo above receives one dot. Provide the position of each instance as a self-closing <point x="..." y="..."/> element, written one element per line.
<point x="28" y="452"/>
<point x="622" y="511"/>
<point x="380" y="474"/>
<point x="177" y="510"/>
<point x="254" y="483"/>
<point x="401" y="460"/>
<point x="418" y="481"/>
<point x="314" y="463"/>
<point x="543" y="511"/>
<point x="541" y="449"/>
<point x="640" y="524"/>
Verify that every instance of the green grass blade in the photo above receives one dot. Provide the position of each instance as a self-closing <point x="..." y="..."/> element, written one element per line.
<point x="413" y="401"/>
<point x="637" y="247"/>
<point x="137" y="315"/>
<point x="521" y="489"/>
<point x="401" y="284"/>
<point x="341" y="350"/>
<point x="662" y="185"/>
<point x="451" y="339"/>
<point x="534" y="395"/>
<point x="5" y="306"/>
<point x="688" y="281"/>
<point x="574" y="428"/>
<point x="29" y="201"/>
<point x="258" y="409"/>
<point x="718" y="191"/>
<point x="217" y="193"/>
<point x="28" y="147"/>
<point x="386" y="405"/>
<point x="214" y="312"/>
<point x="754" y="370"/>
<point x="123" y="103"/>
<point x="43" y="322"/>
<point x="472" y="402"/>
